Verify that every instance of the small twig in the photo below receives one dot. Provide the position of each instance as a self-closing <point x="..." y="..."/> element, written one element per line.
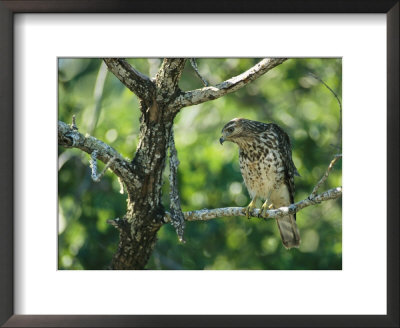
<point x="325" y="176"/>
<point x="196" y="69"/>
<point x="73" y="125"/>
<point x="340" y="107"/>
<point x="328" y="87"/>
<point x="93" y="165"/>
<point x="177" y="218"/>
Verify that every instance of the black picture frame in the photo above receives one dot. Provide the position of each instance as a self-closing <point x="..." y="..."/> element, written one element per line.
<point x="7" y="11"/>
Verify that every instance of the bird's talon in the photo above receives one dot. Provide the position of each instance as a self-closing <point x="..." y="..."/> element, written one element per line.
<point x="263" y="212"/>
<point x="250" y="208"/>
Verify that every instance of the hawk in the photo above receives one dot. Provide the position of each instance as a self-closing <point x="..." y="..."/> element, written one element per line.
<point x="265" y="158"/>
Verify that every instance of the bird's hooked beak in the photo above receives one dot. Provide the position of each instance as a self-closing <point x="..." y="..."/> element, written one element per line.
<point x="221" y="140"/>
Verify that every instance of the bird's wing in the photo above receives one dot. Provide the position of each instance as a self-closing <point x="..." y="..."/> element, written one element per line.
<point x="285" y="149"/>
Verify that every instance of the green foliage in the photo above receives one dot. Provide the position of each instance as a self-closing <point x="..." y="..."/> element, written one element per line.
<point x="209" y="174"/>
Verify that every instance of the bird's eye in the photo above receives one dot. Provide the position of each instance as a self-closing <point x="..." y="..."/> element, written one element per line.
<point x="230" y="130"/>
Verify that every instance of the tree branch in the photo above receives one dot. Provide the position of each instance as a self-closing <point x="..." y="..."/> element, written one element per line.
<point x="69" y="137"/>
<point x="206" y="214"/>
<point x="168" y="77"/>
<point x="138" y="83"/>
<point x="312" y="199"/>
<point x="199" y="96"/>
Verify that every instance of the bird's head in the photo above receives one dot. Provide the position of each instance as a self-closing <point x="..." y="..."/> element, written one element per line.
<point x="234" y="130"/>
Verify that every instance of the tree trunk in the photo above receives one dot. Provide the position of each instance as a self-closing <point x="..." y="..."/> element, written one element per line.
<point x="145" y="212"/>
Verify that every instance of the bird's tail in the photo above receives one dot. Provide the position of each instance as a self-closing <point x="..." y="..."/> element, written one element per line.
<point x="289" y="231"/>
